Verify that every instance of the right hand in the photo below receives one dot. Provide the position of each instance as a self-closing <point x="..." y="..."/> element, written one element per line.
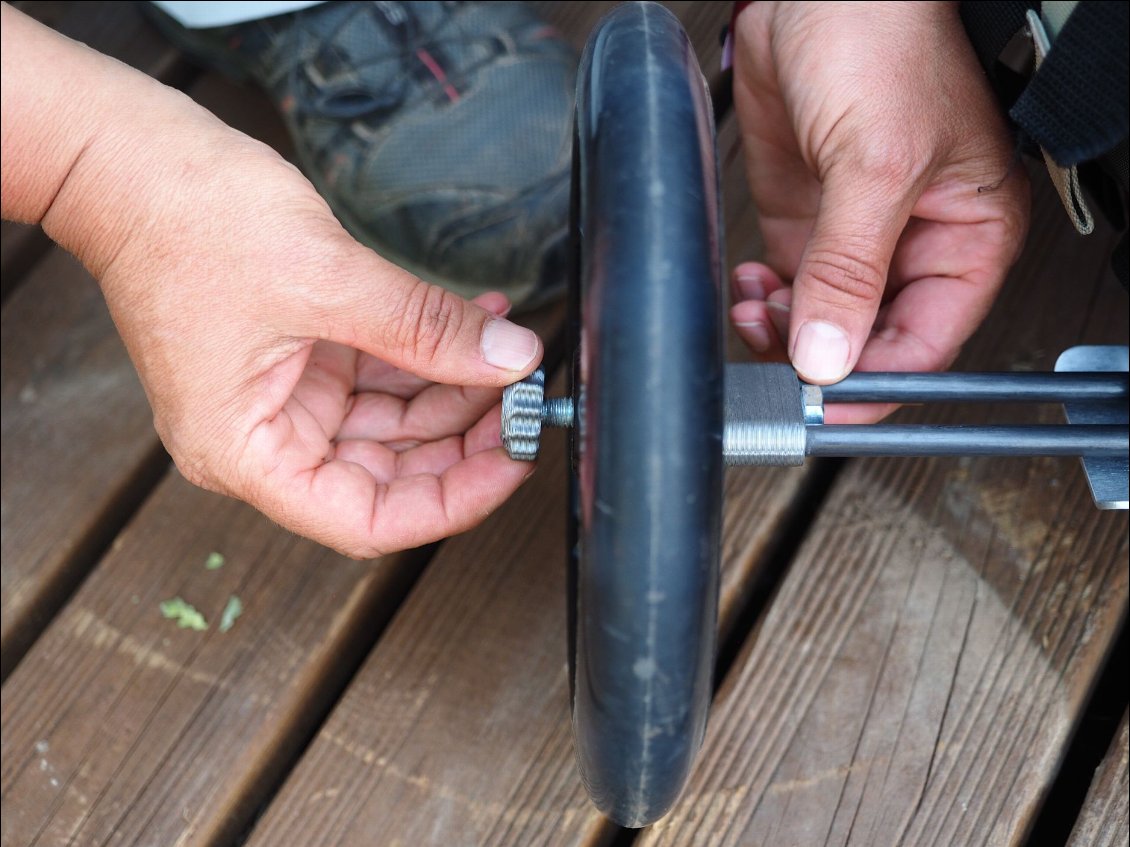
<point x="884" y="176"/>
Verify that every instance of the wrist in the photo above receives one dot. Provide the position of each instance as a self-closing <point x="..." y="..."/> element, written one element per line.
<point x="98" y="153"/>
<point x="140" y="174"/>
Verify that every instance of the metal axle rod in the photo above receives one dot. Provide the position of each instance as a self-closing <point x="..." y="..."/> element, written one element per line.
<point x="924" y="440"/>
<point x="977" y="388"/>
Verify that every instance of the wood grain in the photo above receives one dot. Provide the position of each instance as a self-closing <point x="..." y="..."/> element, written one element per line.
<point x="78" y="446"/>
<point x="119" y="726"/>
<point x="929" y="651"/>
<point x="916" y="679"/>
<point x="79" y="449"/>
<point x="1105" y="818"/>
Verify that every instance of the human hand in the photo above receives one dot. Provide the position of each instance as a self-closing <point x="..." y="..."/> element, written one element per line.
<point x="884" y="177"/>
<point x="286" y="364"/>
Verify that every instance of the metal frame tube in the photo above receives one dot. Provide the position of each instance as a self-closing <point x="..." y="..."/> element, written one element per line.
<point x="922" y="440"/>
<point x="977" y="388"/>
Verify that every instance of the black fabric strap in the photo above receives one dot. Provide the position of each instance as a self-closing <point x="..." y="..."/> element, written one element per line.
<point x="990" y="26"/>
<point x="1077" y="106"/>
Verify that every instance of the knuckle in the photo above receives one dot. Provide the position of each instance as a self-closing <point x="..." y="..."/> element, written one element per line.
<point x="846" y="276"/>
<point x="428" y="322"/>
<point x="888" y="159"/>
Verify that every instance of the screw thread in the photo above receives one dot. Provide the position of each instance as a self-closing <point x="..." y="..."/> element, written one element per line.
<point x="558" y="411"/>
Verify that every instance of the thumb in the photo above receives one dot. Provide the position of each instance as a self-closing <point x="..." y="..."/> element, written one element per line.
<point x="429" y="331"/>
<point x="840" y="280"/>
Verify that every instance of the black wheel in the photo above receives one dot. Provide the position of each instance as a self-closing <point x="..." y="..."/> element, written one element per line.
<point x="647" y="386"/>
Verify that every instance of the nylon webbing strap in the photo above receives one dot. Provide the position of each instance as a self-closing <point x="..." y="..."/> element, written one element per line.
<point x="1065" y="179"/>
<point x="1076" y="107"/>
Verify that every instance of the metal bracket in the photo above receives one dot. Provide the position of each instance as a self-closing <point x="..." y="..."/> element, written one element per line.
<point x="1108" y="476"/>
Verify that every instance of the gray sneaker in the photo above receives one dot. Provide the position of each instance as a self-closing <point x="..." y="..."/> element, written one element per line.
<point x="439" y="132"/>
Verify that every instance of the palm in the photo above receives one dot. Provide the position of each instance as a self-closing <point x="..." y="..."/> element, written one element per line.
<point x="370" y="444"/>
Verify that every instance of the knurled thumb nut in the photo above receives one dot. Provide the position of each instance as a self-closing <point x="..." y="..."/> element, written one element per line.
<point x="524" y="410"/>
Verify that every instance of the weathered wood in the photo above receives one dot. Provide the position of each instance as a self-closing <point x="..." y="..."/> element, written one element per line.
<point x="78" y="447"/>
<point x="929" y="651"/>
<point x="72" y="472"/>
<point x="118" y="726"/>
<point x="1105" y="818"/>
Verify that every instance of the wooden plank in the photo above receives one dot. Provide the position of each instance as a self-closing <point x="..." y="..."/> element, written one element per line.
<point x="78" y="444"/>
<point x="188" y="765"/>
<point x="1105" y="818"/>
<point x="120" y="726"/>
<point x="927" y="655"/>
<point x="71" y="472"/>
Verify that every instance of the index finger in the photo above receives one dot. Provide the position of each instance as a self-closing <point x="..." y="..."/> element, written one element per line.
<point x="342" y="505"/>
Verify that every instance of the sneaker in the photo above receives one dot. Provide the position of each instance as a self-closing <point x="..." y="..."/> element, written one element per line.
<point x="440" y="133"/>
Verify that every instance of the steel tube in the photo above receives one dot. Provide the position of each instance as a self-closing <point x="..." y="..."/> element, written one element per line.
<point x="977" y="387"/>
<point x="923" y="440"/>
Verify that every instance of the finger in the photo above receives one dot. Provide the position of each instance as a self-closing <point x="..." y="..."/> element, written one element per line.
<point x="436" y="412"/>
<point x="779" y="308"/>
<point x="753" y="281"/>
<point x="375" y="375"/>
<point x="925" y="326"/>
<point x="485" y="434"/>
<point x="386" y="464"/>
<point x="434" y="457"/>
<point x="494" y="302"/>
<point x="840" y="281"/>
<point x="378" y="375"/>
<point x="754" y="325"/>
<point x="341" y="504"/>
<point x="922" y="329"/>
<point x="857" y="413"/>
<point x="421" y="328"/>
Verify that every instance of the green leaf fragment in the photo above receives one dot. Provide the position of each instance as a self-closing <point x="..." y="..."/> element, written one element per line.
<point x="184" y="614"/>
<point x="232" y="610"/>
<point x="214" y="562"/>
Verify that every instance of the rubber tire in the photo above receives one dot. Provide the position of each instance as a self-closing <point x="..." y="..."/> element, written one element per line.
<point x="647" y="385"/>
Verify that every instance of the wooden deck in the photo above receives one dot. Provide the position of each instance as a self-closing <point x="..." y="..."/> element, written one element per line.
<point x="914" y="652"/>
